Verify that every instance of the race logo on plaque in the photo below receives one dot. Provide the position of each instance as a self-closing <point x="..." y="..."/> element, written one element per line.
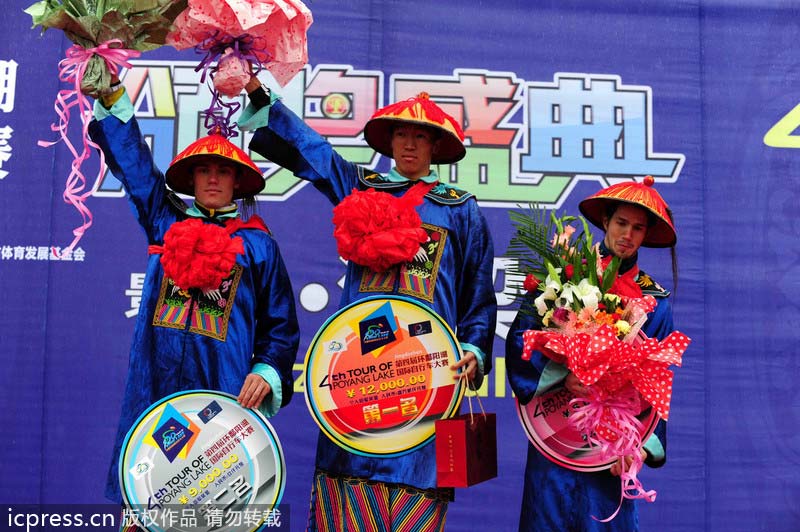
<point x="378" y="376"/>
<point x="197" y="461"/>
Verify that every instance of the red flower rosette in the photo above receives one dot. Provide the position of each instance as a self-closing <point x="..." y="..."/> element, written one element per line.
<point x="377" y="230"/>
<point x="197" y="254"/>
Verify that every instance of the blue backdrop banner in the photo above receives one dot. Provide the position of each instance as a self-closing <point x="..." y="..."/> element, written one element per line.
<point x="702" y="95"/>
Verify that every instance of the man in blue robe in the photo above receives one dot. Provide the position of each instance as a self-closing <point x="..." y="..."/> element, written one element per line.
<point x="238" y="334"/>
<point x="454" y="279"/>
<point x="557" y="499"/>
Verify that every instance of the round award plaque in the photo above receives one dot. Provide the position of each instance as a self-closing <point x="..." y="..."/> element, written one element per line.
<point x="546" y="422"/>
<point x="198" y="461"/>
<point x="378" y="376"/>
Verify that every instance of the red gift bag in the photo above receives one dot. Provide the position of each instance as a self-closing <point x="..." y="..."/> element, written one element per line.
<point x="466" y="450"/>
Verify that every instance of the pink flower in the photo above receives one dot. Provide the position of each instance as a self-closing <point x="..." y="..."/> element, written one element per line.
<point x="222" y="302"/>
<point x="562" y="239"/>
<point x="531" y="283"/>
<point x="586" y="316"/>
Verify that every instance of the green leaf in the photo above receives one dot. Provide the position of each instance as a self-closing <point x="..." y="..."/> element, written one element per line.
<point x="47" y="16"/>
<point x="586" y="232"/>
<point x="144" y="5"/>
<point x="139" y="24"/>
<point x="172" y="8"/>
<point x="38" y="12"/>
<point x="76" y="8"/>
<point x="556" y="221"/>
<point x="591" y="266"/>
<point x="610" y="274"/>
<point x="553" y="273"/>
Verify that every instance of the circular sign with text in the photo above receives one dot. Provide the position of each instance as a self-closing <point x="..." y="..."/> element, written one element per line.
<point x="546" y="422"/>
<point x="378" y="376"/>
<point x="198" y="461"/>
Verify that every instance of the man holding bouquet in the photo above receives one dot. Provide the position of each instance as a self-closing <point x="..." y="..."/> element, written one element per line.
<point x="217" y="308"/>
<point x="632" y="215"/>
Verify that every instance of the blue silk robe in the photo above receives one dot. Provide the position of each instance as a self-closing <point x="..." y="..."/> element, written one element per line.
<point x="461" y="292"/>
<point x="171" y="350"/>
<point x="557" y="499"/>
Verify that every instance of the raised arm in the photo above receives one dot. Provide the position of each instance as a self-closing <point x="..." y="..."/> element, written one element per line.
<point x="117" y="133"/>
<point x="283" y="138"/>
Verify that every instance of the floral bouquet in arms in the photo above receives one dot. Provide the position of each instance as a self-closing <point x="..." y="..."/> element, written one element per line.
<point x="237" y="35"/>
<point x="592" y="320"/>
<point x="106" y="34"/>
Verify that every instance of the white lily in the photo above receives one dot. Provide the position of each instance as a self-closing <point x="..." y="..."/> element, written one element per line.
<point x="566" y="297"/>
<point x="552" y="285"/>
<point x="588" y="294"/>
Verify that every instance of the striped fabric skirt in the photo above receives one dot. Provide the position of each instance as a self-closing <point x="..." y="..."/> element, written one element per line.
<point x="355" y="505"/>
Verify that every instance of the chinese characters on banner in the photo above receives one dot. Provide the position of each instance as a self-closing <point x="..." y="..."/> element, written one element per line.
<point x="8" y="83"/>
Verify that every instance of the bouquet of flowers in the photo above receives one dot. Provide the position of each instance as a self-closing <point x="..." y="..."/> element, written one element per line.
<point x="592" y="318"/>
<point x="98" y="25"/>
<point x="236" y="36"/>
<point x="268" y="33"/>
<point x="106" y="33"/>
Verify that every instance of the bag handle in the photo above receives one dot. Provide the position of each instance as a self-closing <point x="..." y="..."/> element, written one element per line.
<point x="469" y="400"/>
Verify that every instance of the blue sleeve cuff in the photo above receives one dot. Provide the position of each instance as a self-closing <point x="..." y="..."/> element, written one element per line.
<point x="122" y="109"/>
<point x="253" y="118"/>
<point x="272" y="403"/>
<point x="480" y="357"/>
<point x="654" y="448"/>
<point x="553" y="374"/>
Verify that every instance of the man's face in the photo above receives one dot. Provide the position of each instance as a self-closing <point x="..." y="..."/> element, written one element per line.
<point x="214" y="182"/>
<point x="625" y="230"/>
<point x="412" y="149"/>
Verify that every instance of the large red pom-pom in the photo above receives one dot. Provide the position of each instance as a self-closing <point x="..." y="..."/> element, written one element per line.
<point x="377" y="230"/>
<point x="198" y="255"/>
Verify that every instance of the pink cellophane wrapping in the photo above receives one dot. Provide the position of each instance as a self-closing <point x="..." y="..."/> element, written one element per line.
<point x="232" y="75"/>
<point x="599" y="359"/>
<point x="619" y="375"/>
<point x="278" y="26"/>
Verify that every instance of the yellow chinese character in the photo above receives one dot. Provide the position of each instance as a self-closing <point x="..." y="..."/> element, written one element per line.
<point x="372" y="414"/>
<point x="408" y="406"/>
